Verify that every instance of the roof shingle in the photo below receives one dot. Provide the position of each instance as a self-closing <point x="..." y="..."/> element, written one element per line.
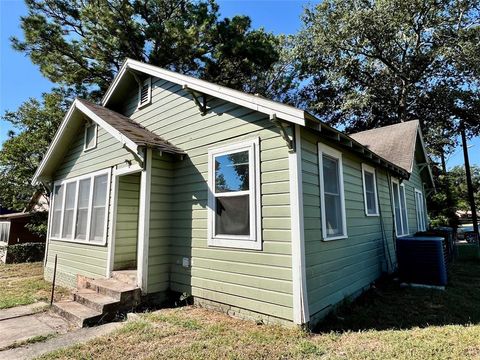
<point x="131" y="129"/>
<point x="395" y="143"/>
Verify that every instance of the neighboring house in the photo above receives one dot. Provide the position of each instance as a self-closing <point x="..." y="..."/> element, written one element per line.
<point x="13" y="230"/>
<point x="251" y="206"/>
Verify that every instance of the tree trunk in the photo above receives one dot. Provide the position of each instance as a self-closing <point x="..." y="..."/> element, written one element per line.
<point x="468" y="174"/>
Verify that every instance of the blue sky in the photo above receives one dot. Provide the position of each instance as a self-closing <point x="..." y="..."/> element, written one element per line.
<point x="20" y="79"/>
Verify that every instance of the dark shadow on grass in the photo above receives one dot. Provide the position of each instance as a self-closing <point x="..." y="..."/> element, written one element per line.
<point x="389" y="306"/>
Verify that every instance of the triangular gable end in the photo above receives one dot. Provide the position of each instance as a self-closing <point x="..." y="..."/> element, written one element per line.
<point x="68" y="128"/>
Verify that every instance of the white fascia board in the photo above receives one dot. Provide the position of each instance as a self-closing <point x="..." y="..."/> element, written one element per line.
<point x="419" y="132"/>
<point x="77" y="105"/>
<point x="54" y="143"/>
<point x="110" y="129"/>
<point x="249" y="101"/>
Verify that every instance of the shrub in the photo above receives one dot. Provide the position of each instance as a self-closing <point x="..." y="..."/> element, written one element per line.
<point x="27" y="252"/>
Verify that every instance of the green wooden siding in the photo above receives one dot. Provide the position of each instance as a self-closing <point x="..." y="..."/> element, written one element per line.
<point x="83" y="258"/>
<point x="337" y="269"/>
<point x="255" y="280"/>
<point x="415" y="182"/>
<point x="126" y="227"/>
<point x="160" y="218"/>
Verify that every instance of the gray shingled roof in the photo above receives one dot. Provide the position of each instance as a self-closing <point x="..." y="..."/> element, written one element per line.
<point x="395" y="143"/>
<point x="131" y="129"/>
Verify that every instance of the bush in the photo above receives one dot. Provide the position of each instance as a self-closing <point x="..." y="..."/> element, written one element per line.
<point x="27" y="252"/>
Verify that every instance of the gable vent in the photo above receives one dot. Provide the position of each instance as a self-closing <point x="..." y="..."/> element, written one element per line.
<point x="145" y="91"/>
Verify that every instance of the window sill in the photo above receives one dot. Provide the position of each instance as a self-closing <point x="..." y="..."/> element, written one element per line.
<point x="89" y="149"/>
<point x="235" y="244"/>
<point x="84" y="242"/>
<point x="340" y="237"/>
<point x="372" y="215"/>
<point x="139" y="107"/>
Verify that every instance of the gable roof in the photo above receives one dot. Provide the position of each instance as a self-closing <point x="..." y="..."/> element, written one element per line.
<point x="131" y="134"/>
<point x="137" y="133"/>
<point x="395" y="143"/>
<point x="257" y="103"/>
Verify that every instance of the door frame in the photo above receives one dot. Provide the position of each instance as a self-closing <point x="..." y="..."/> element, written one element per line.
<point x="113" y="211"/>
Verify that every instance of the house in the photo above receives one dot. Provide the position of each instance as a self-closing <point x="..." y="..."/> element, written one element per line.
<point x="14" y="233"/>
<point x="251" y="206"/>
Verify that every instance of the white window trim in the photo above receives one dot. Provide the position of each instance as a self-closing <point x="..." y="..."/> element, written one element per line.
<point x="90" y="204"/>
<point x="87" y="125"/>
<point x="424" y="210"/>
<point x="149" y="98"/>
<point x="395" y="180"/>
<point x="370" y="169"/>
<point x="324" y="149"/>
<point x="254" y="240"/>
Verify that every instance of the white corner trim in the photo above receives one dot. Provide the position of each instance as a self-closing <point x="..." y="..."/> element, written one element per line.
<point x="372" y="170"/>
<point x="144" y="222"/>
<point x="324" y="149"/>
<point x="253" y="102"/>
<point x="112" y="219"/>
<point x="301" y="313"/>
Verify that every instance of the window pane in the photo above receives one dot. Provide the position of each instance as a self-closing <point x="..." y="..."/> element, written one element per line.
<point x="231" y="172"/>
<point x="70" y="193"/>
<point x="232" y="215"/>
<point x="57" y="210"/>
<point x="396" y="204"/>
<point x="82" y="209"/>
<point x="370" y="192"/>
<point x="90" y="136"/>
<point x="97" y="225"/>
<point x="333" y="215"/>
<point x="404" y="210"/>
<point x="332" y="199"/>
<point x="330" y="175"/>
<point x="4" y="231"/>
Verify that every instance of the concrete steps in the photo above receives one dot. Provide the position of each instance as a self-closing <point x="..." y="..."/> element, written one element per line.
<point x="99" y="300"/>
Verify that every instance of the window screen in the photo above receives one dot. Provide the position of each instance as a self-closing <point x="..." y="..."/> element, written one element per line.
<point x="421" y="213"/>
<point x="332" y="197"/>
<point x="232" y="215"/>
<point x="4" y="231"/>
<point x="90" y="136"/>
<point x="403" y="207"/>
<point x="98" y="209"/>
<point x="370" y="191"/>
<point x="82" y="209"/>
<point x="70" y="193"/>
<point x="400" y="208"/>
<point x="57" y="210"/>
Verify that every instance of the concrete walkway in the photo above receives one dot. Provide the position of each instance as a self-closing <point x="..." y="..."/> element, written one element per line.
<point x="24" y="322"/>
<point x="59" y="342"/>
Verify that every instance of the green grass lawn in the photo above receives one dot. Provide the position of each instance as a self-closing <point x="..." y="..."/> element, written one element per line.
<point x="23" y="284"/>
<point x="386" y="323"/>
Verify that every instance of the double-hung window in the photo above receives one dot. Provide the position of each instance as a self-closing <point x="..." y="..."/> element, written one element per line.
<point x="234" y="218"/>
<point x="400" y="208"/>
<point x="421" y="211"/>
<point x="4" y="231"/>
<point x="370" y="190"/>
<point x="80" y="209"/>
<point x="332" y="198"/>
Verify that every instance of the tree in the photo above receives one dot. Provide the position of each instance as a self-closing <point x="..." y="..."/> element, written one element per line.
<point x="82" y="44"/>
<point x="34" y="126"/>
<point x="366" y="64"/>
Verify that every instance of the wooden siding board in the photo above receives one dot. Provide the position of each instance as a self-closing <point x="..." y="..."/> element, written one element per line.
<point x="339" y="268"/>
<point x="179" y="200"/>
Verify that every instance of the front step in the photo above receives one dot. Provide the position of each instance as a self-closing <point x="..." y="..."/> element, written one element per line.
<point x="98" y="300"/>
<point x="115" y="289"/>
<point x="77" y="313"/>
<point x="125" y="276"/>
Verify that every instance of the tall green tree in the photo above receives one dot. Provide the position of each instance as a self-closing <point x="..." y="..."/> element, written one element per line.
<point x="34" y="125"/>
<point x="366" y="64"/>
<point x="82" y="43"/>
